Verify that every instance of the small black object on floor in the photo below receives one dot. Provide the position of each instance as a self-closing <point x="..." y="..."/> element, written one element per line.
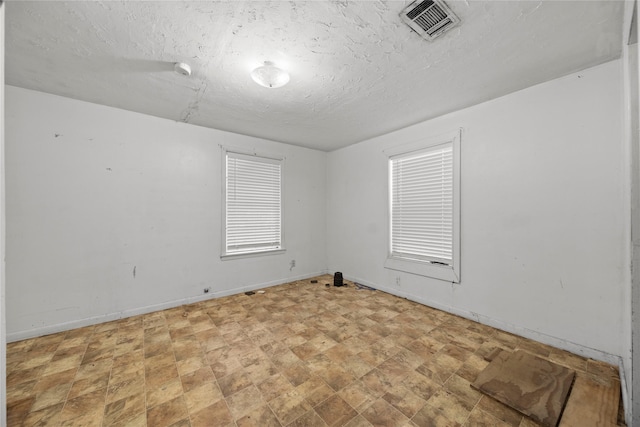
<point x="337" y="279"/>
<point x="314" y="281"/>
<point x="249" y="293"/>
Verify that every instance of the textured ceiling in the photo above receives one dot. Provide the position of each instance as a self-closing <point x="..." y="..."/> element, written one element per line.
<point x="356" y="70"/>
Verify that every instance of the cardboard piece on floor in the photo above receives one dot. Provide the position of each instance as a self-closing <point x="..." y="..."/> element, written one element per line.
<point x="592" y="403"/>
<point x="531" y="385"/>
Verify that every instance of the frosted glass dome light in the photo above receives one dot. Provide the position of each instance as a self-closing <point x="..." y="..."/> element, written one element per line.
<point x="268" y="75"/>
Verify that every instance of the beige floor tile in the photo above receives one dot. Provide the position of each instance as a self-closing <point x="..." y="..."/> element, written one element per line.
<point x="259" y="417"/>
<point x="197" y="378"/>
<point x="51" y="396"/>
<point x="480" y="418"/>
<point x="335" y="411"/>
<point x="90" y="404"/>
<point x="87" y="420"/>
<point x="274" y="386"/>
<point x="155" y="376"/>
<point x="125" y="410"/>
<point x="431" y="416"/>
<point x="46" y="382"/>
<point x="63" y="364"/>
<point x="94" y="369"/>
<point x="164" y="393"/>
<point x="139" y="420"/>
<point x="234" y="382"/>
<point x="201" y="397"/>
<point x="21" y="391"/>
<point x="15" y="377"/>
<point x="215" y="415"/>
<point x="381" y="413"/>
<point x="301" y="354"/>
<point x="167" y="413"/>
<point x="461" y="388"/>
<point x="133" y="386"/>
<point x="47" y="416"/>
<point x="261" y="370"/>
<point x="358" y="395"/>
<point x="289" y="406"/>
<point x="404" y="400"/>
<point x="359" y="421"/>
<point x="88" y="385"/>
<point x="309" y="419"/>
<point x="316" y="395"/>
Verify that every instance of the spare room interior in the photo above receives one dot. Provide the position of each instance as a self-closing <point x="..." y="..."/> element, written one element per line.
<point x="182" y="180"/>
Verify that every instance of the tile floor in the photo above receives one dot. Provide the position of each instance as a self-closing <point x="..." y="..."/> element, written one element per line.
<point x="300" y="354"/>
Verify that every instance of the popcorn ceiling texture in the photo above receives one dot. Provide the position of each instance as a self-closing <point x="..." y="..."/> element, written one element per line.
<point x="356" y="70"/>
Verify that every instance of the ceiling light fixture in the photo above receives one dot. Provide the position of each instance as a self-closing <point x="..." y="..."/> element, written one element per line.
<point x="268" y="75"/>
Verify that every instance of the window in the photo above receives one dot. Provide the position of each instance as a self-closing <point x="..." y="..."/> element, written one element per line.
<point x="252" y="204"/>
<point x="424" y="208"/>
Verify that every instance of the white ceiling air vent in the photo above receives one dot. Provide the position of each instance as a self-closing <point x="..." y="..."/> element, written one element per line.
<point x="429" y="18"/>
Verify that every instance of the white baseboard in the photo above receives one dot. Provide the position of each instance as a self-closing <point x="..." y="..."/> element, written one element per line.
<point x="60" y="327"/>
<point x="626" y="399"/>
<point x="523" y="332"/>
<point x="556" y="342"/>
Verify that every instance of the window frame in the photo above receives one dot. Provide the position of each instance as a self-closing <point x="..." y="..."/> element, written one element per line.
<point x="449" y="273"/>
<point x="270" y="158"/>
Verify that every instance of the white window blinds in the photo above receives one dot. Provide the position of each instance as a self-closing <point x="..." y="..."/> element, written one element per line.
<point x="253" y="204"/>
<point x="422" y="205"/>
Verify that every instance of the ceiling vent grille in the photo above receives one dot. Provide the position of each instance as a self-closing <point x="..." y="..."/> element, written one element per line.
<point x="429" y="18"/>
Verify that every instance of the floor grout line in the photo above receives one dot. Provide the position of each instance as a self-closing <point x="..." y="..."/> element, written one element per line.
<point x="340" y="338"/>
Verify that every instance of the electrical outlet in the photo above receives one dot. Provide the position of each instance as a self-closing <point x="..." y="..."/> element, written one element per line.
<point x="398" y="281"/>
<point x="292" y="264"/>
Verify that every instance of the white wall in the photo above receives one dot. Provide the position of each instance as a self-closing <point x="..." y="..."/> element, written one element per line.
<point x="633" y="332"/>
<point x="3" y="328"/>
<point x="544" y="253"/>
<point x="95" y="192"/>
<point x="631" y="354"/>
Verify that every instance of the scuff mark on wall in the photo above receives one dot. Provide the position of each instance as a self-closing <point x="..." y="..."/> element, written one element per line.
<point x="67" y="308"/>
<point x="134" y="271"/>
<point x="194" y="105"/>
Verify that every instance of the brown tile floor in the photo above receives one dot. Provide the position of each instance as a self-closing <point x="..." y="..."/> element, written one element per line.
<point x="300" y="354"/>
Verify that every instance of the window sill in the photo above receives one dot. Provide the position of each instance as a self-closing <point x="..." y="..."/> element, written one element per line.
<point x="227" y="257"/>
<point x="421" y="268"/>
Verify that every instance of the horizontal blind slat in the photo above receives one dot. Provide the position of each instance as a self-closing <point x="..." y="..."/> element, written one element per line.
<point x="422" y="204"/>
<point x="253" y="204"/>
